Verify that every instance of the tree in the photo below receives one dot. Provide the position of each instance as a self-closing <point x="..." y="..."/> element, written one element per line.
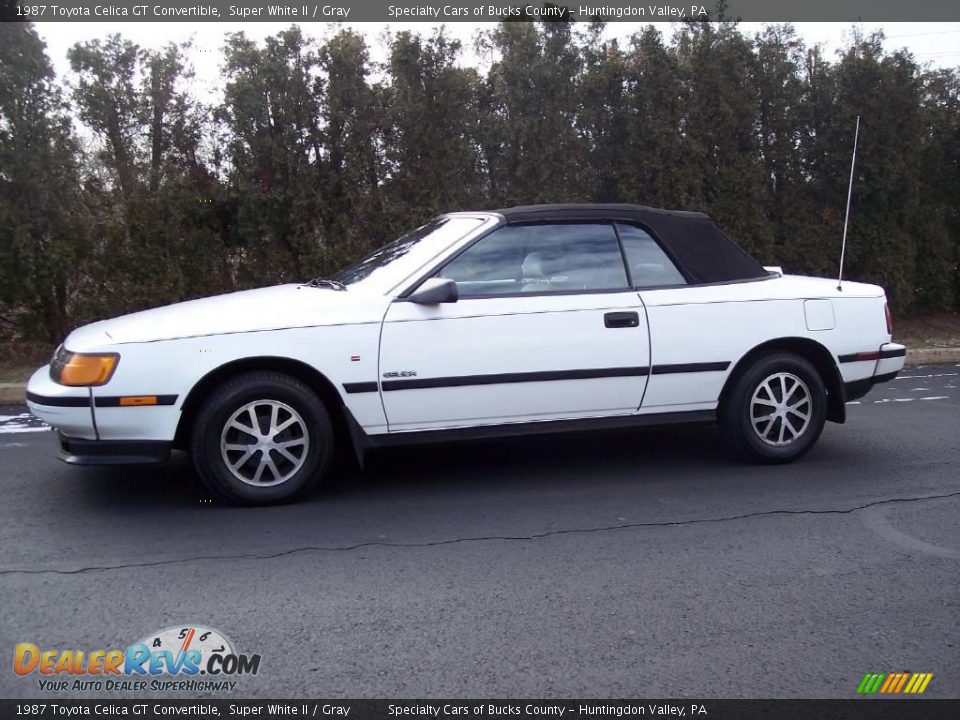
<point x="531" y="148"/>
<point x="318" y="155"/>
<point x="885" y="91"/>
<point x="43" y="236"/>
<point x="158" y="233"/>
<point x="351" y="164"/>
<point x="938" y="228"/>
<point x="721" y="103"/>
<point x="430" y="133"/>
<point x="272" y="113"/>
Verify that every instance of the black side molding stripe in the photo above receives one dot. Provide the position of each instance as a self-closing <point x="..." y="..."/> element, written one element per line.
<point x="59" y="401"/>
<point x="114" y="400"/>
<point x="104" y="401"/>
<point x="872" y="355"/>
<point x="540" y="376"/>
<point x="503" y="378"/>
<point x="858" y="357"/>
<point x="360" y="387"/>
<point x="690" y="368"/>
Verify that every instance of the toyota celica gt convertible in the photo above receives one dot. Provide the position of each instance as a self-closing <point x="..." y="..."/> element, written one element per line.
<point x="478" y="324"/>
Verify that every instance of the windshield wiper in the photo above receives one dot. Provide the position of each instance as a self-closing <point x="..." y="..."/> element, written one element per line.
<point x="323" y="282"/>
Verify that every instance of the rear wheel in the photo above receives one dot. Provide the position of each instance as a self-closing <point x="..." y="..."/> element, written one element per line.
<point x="775" y="410"/>
<point x="261" y="438"/>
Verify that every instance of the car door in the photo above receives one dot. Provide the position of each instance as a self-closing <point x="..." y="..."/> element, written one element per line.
<point x="690" y="327"/>
<point x="545" y="328"/>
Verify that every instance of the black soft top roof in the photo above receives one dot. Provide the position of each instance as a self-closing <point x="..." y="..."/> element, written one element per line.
<point x="706" y="254"/>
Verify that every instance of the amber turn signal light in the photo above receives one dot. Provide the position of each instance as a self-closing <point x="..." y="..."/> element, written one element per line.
<point x="82" y="370"/>
<point x="135" y="400"/>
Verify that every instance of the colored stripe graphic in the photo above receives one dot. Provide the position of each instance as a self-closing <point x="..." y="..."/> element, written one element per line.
<point x="870" y="683"/>
<point x="918" y="683"/>
<point x="894" y="683"/>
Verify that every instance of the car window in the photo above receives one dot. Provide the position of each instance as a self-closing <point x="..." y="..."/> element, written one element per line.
<point x="540" y="258"/>
<point x="649" y="264"/>
<point x="387" y="266"/>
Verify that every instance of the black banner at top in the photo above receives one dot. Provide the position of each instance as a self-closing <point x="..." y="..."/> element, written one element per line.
<point x="475" y="11"/>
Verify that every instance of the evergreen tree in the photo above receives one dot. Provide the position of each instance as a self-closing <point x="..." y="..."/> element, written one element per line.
<point x="531" y="148"/>
<point x="43" y="229"/>
<point x="271" y="111"/>
<point x="317" y="155"/>
<point x="430" y="137"/>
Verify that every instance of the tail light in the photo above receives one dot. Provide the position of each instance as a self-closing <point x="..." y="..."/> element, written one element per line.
<point x="886" y="310"/>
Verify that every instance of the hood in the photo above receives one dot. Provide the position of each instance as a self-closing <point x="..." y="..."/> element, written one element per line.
<point x="272" y="308"/>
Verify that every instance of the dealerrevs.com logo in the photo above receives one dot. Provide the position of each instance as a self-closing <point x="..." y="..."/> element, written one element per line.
<point x="189" y="658"/>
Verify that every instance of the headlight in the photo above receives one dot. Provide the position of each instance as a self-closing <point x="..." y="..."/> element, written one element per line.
<point x="82" y="369"/>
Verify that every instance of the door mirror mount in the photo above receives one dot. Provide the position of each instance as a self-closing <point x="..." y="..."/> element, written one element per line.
<point x="435" y="291"/>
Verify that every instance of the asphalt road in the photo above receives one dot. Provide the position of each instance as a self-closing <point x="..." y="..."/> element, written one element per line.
<point x="641" y="564"/>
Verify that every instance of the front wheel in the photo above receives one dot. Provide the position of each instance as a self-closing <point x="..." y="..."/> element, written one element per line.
<point x="260" y="438"/>
<point x="775" y="410"/>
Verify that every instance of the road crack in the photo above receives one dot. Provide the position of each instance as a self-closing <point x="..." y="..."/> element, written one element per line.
<point x="479" y="538"/>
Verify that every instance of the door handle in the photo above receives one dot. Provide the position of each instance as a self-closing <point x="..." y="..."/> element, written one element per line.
<point x="621" y="319"/>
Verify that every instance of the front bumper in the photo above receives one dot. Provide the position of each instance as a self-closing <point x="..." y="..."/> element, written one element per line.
<point x="80" y="451"/>
<point x="69" y="409"/>
<point x="99" y="413"/>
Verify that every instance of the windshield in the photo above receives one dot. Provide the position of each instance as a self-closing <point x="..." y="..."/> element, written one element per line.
<point x="401" y="258"/>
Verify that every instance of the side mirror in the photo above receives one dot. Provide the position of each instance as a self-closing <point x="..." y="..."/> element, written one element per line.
<point x="435" y="291"/>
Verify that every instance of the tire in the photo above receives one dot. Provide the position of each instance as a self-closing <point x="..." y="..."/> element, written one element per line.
<point x="298" y="451"/>
<point x="787" y="435"/>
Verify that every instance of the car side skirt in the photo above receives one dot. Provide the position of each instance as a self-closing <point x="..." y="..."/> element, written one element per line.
<point x="363" y="442"/>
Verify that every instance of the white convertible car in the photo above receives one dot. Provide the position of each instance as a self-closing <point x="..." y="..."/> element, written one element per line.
<point x="525" y="320"/>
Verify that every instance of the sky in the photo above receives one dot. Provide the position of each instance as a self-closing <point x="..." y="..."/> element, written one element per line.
<point x="935" y="43"/>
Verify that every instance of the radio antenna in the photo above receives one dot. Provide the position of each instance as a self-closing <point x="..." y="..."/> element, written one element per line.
<point x="846" y="217"/>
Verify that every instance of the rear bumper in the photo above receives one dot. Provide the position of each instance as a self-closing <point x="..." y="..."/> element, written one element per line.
<point x="78" y="451"/>
<point x="892" y="358"/>
<point x="889" y="361"/>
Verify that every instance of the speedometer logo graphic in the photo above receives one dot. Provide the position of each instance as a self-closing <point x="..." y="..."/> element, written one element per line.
<point x="181" y="639"/>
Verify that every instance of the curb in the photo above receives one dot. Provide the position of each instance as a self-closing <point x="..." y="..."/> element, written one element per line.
<point x="16" y="393"/>
<point x="13" y="393"/>
<point x="933" y="355"/>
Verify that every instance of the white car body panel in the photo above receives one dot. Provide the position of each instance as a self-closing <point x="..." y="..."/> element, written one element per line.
<point x="266" y="309"/>
<point x="354" y="337"/>
<point x="515" y="335"/>
<point x="723" y="323"/>
<point x="73" y="421"/>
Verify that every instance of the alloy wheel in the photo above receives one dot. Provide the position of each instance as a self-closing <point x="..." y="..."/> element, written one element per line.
<point x="264" y="443"/>
<point x="780" y="409"/>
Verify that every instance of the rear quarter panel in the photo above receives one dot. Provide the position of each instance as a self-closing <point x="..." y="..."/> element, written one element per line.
<point x="723" y="323"/>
